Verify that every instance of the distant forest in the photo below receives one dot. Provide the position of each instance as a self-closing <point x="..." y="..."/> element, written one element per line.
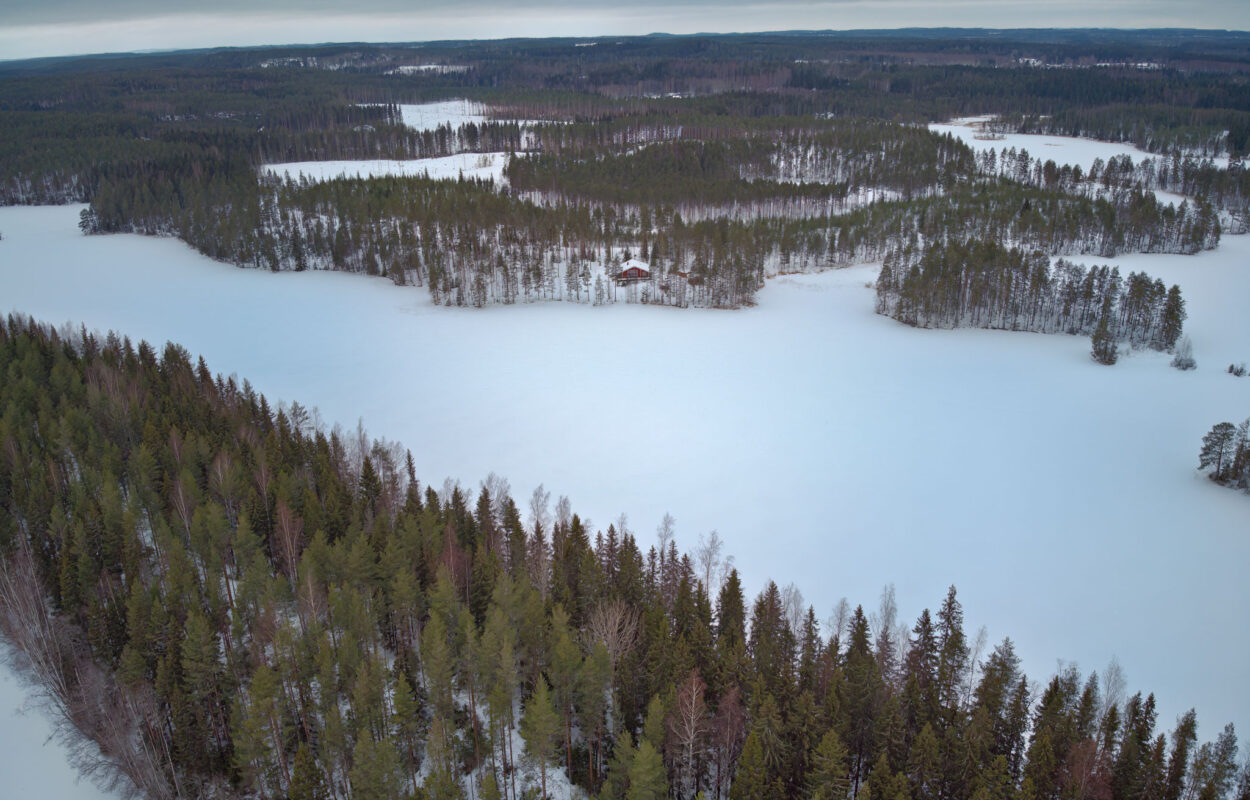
<point x="233" y="602"/>
<point x="719" y="160"/>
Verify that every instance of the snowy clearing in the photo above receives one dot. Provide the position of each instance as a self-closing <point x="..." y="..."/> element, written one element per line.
<point x="454" y="113"/>
<point x="827" y="445"/>
<point x="469" y="165"/>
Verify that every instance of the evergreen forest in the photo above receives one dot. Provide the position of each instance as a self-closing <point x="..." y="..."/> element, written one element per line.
<point x="231" y="601"/>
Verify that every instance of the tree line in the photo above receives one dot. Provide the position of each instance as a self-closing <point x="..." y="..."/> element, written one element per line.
<point x="233" y="601"/>
<point x="983" y="284"/>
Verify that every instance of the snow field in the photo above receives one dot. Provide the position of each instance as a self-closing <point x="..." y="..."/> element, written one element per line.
<point x="429" y="116"/>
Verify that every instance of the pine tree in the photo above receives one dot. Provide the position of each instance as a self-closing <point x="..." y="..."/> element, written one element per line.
<point x="1104" y="349"/>
<point x="306" y="779"/>
<point x="828" y="776"/>
<point x="1217" y="449"/>
<point x="1171" y="320"/>
<point x="751" y="779"/>
<point x="539" y="727"/>
<point x="646" y="775"/>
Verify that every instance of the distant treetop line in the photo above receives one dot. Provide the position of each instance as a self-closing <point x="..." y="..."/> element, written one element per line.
<point x="718" y="159"/>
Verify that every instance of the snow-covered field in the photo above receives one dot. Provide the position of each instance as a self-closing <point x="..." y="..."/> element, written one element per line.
<point x="429" y="116"/>
<point x="827" y="445"/>
<point x="469" y="165"/>
<point x="421" y="117"/>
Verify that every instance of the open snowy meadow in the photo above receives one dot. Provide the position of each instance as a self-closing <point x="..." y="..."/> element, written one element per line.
<point x="827" y="445"/>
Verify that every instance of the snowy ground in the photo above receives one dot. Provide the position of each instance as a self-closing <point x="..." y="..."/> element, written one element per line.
<point x="470" y="165"/>
<point x="429" y="116"/>
<point x="827" y="445"/>
<point x="31" y="764"/>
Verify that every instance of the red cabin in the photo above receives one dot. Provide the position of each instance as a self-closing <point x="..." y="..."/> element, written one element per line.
<point x="633" y="271"/>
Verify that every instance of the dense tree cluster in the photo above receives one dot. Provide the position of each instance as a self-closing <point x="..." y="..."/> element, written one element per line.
<point x="985" y="285"/>
<point x="1225" y="454"/>
<point x="1127" y="185"/>
<point x="693" y="164"/>
<point x="234" y="602"/>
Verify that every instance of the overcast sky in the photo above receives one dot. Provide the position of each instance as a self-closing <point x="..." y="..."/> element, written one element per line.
<point x="30" y="28"/>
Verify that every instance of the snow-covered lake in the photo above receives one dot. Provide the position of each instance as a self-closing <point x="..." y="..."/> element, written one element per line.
<point x="31" y="764"/>
<point x="827" y="445"/>
<point x="1060" y="149"/>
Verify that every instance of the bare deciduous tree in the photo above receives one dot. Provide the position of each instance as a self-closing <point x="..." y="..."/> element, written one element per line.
<point x="539" y="515"/>
<point x="615" y="624"/>
<point x="290" y="535"/>
<point x="728" y="734"/>
<point x="687" y="728"/>
<point x="665" y="533"/>
<point x="1113" y="687"/>
<point x="708" y="555"/>
<point x="793" y="608"/>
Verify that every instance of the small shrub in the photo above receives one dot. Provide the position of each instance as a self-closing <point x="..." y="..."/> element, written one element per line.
<point x="1184" y="358"/>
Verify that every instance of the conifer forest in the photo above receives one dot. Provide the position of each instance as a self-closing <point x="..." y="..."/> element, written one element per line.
<point x="224" y="598"/>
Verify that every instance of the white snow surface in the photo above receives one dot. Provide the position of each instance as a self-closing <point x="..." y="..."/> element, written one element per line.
<point x="429" y="116"/>
<point x="32" y="764"/>
<point x="1060" y="149"/>
<point x="470" y="165"/>
<point x="829" y="446"/>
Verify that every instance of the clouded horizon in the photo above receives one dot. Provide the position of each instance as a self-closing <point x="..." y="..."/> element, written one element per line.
<point x="72" y="27"/>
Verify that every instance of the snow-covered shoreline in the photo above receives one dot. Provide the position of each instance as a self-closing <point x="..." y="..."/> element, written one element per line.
<point x="33" y="762"/>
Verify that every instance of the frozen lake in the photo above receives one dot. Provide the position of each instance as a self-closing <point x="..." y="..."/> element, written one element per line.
<point x="1060" y="149"/>
<point x="827" y="445"/>
<point x="31" y="763"/>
